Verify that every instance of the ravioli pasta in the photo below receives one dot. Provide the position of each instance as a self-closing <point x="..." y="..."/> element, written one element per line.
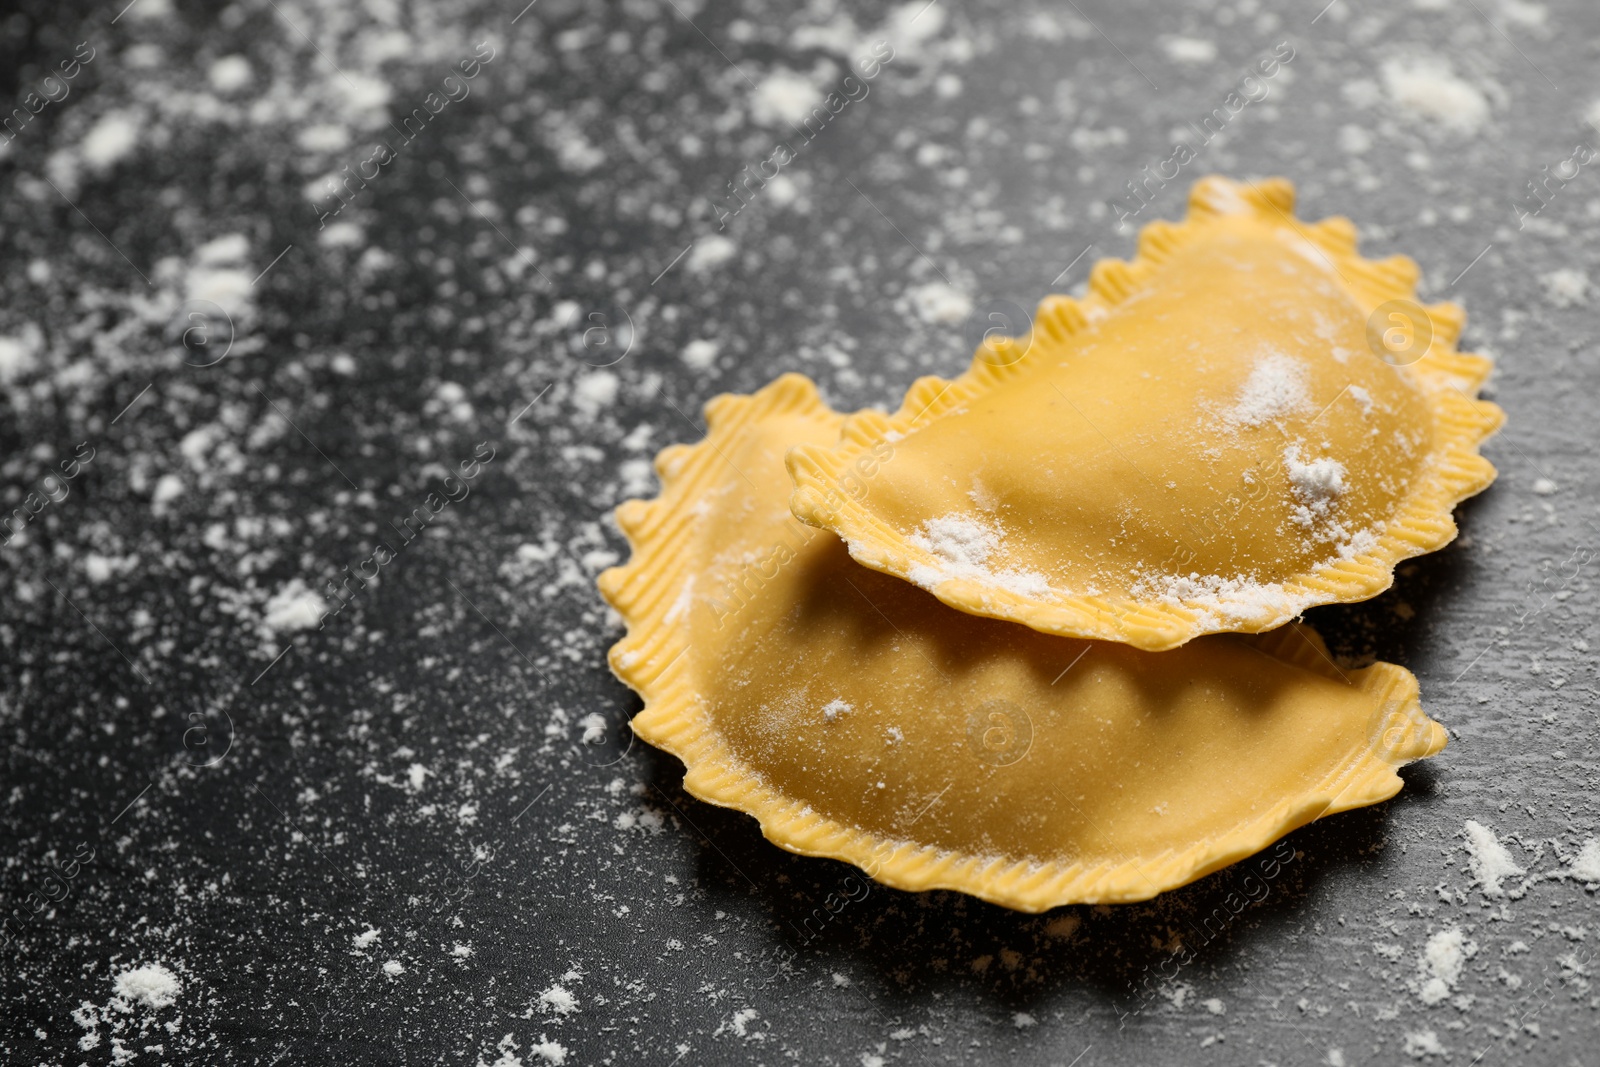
<point x="1223" y="433"/>
<point x="855" y="717"/>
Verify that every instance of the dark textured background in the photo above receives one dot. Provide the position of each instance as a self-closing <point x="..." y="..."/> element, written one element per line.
<point x="246" y="826"/>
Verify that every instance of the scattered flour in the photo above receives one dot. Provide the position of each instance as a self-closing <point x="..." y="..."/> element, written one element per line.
<point x="594" y="392"/>
<point x="230" y="74"/>
<point x="912" y="25"/>
<point x="168" y="487"/>
<point x="709" y="253"/>
<point x="394" y="968"/>
<point x="1441" y="963"/>
<point x="574" y="151"/>
<point x="110" y="140"/>
<point x="835" y="708"/>
<point x="417" y="776"/>
<point x="963" y="546"/>
<point x="294" y="607"/>
<point x="230" y="248"/>
<point x="227" y="286"/>
<point x="1586" y="868"/>
<point x="784" y="98"/>
<point x="1317" y="484"/>
<point x="980" y="494"/>
<point x="324" y="137"/>
<point x="559" y="1000"/>
<point x="1276" y="387"/>
<point x="1222" y="598"/>
<point x="1189" y="50"/>
<point x="594" y="728"/>
<point x="939" y="304"/>
<point x="16" y="359"/>
<point x="1567" y="287"/>
<point x="150" y="986"/>
<point x="366" y="938"/>
<point x="1317" y="480"/>
<point x="740" y="1024"/>
<point x="450" y="399"/>
<point x="1426" y="88"/>
<point x="699" y="354"/>
<point x="101" y="568"/>
<point x="552" y="1052"/>
<point x="784" y="191"/>
<point x="508" y="1054"/>
<point x="1353" y="140"/>
<point x="1491" y="863"/>
<point x="1424" y="1043"/>
<point x="958" y="540"/>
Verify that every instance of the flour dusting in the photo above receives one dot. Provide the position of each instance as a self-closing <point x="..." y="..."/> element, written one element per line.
<point x="710" y="253"/>
<point x="1566" y="287"/>
<point x="294" y="607"/>
<point x="132" y="1015"/>
<point x="784" y="98"/>
<point x="1586" y="868"/>
<point x="1426" y="88"/>
<point x="1317" y="485"/>
<point x="551" y="1052"/>
<point x="558" y="999"/>
<point x="151" y="986"/>
<point x="957" y="540"/>
<point x="1276" y="387"/>
<point x="1490" y="861"/>
<point x="940" y="304"/>
<point x="1196" y="50"/>
<point x="1424" y="1043"/>
<point x="964" y="546"/>
<point x="1319" y="479"/>
<point x="1441" y="963"/>
<point x="1221" y="598"/>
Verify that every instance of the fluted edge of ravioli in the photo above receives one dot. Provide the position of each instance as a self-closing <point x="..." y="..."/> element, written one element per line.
<point x="830" y="482"/>
<point x="652" y="659"/>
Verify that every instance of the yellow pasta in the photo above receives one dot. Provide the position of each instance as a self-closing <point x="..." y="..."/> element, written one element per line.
<point x="856" y="717"/>
<point x="1247" y="420"/>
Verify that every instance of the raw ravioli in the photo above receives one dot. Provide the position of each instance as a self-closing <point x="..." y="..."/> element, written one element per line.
<point x="858" y="718"/>
<point x="1246" y="421"/>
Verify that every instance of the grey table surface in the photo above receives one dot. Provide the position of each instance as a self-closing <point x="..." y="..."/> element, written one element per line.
<point x="229" y="836"/>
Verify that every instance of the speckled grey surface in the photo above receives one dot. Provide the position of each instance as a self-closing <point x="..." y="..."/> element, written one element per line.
<point x="199" y="780"/>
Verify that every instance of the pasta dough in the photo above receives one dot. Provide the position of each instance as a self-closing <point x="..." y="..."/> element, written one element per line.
<point x="1247" y="420"/>
<point x="856" y="717"/>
